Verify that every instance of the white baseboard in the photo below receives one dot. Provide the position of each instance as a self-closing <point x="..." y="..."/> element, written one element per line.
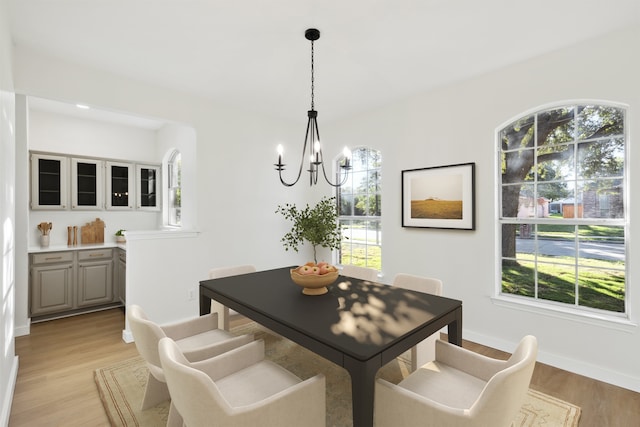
<point x="572" y="365"/>
<point x="20" y="331"/>
<point x="8" y="393"/>
<point x="127" y="336"/>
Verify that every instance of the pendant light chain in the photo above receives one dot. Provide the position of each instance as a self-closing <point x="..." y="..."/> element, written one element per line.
<point x="312" y="79"/>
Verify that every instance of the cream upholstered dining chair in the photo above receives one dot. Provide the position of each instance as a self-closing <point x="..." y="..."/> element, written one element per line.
<point x="460" y="388"/>
<point x="241" y="388"/>
<point x="362" y="273"/>
<point x="216" y="273"/>
<point x="424" y="351"/>
<point x="198" y="338"/>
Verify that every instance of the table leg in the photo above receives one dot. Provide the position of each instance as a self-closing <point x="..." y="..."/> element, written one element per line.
<point x="363" y="382"/>
<point x="205" y="304"/>
<point x="455" y="328"/>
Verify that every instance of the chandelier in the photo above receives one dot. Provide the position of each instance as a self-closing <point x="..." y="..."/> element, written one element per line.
<point x="312" y="141"/>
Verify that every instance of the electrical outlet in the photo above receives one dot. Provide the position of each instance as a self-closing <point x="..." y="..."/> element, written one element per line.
<point x="192" y="294"/>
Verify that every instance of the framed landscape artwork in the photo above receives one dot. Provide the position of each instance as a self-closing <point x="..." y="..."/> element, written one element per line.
<point x="439" y="197"/>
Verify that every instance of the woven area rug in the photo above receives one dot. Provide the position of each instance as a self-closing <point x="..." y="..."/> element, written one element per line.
<point x="121" y="388"/>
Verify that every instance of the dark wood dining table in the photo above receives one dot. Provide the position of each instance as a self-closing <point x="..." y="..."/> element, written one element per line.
<point x="358" y="325"/>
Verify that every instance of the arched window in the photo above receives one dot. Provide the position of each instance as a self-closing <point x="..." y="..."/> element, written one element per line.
<point x="562" y="208"/>
<point x="174" y="205"/>
<point x="359" y="209"/>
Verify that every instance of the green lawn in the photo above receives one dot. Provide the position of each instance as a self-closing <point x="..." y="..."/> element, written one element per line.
<point x="358" y="256"/>
<point x="585" y="232"/>
<point x="601" y="284"/>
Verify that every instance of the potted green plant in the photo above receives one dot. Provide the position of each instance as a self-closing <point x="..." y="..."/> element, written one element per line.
<point x="318" y="225"/>
<point x="120" y="236"/>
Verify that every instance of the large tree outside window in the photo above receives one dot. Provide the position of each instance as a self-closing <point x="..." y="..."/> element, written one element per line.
<point x="562" y="207"/>
<point x="359" y="209"/>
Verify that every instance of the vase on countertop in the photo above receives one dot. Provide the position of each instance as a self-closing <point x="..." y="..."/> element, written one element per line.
<point x="44" y="241"/>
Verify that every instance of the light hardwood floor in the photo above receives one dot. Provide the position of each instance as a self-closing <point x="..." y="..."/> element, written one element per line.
<point x="55" y="385"/>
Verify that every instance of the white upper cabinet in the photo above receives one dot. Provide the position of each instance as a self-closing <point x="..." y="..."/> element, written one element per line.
<point x="49" y="182"/>
<point x="120" y="186"/>
<point x="87" y="184"/>
<point x="148" y="191"/>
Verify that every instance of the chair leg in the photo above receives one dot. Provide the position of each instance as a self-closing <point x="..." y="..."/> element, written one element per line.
<point x="155" y="392"/>
<point x="414" y="358"/>
<point x="175" y="419"/>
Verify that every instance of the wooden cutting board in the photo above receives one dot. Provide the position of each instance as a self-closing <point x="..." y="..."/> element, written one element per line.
<point x="92" y="232"/>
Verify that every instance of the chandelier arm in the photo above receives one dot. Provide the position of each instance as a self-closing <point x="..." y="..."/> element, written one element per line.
<point x="344" y="178"/>
<point x="304" y="148"/>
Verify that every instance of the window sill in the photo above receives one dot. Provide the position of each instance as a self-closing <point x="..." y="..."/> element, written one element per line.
<point x="619" y="323"/>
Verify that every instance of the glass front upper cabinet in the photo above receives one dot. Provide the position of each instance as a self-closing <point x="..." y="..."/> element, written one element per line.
<point x="148" y="182"/>
<point x="49" y="182"/>
<point x="86" y="184"/>
<point x="120" y="186"/>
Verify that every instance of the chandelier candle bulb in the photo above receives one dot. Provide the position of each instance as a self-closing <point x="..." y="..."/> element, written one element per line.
<point x="347" y="156"/>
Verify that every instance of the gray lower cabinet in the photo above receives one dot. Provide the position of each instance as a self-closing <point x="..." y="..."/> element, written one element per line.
<point x="95" y="277"/>
<point x="52" y="283"/>
<point x="71" y="282"/>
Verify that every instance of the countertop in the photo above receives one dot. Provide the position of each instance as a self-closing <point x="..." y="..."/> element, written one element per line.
<point x="60" y="248"/>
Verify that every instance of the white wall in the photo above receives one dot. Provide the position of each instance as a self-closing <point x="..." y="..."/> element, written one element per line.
<point x="456" y="124"/>
<point x="86" y="137"/>
<point x="8" y="359"/>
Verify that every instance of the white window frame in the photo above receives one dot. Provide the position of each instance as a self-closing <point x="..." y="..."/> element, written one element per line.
<point x="615" y="320"/>
<point x="369" y="218"/>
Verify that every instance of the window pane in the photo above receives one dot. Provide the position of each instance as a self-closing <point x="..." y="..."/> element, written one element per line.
<point x="527" y="203"/>
<point x="510" y="200"/>
<point x="602" y="289"/>
<point x="345" y="204"/>
<point x="374" y="233"/>
<point x="518" y="278"/>
<point x="518" y="134"/>
<point x="601" y="199"/>
<point x="599" y="120"/>
<point x="557" y="282"/>
<point x="377" y="206"/>
<point x="552" y="193"/>
<point x="517" y="166"/>
<point x="556" y="126"/>
<point x="555" y="163"/>
<point x="359" y="181"/>
<point x="601" y="159"/>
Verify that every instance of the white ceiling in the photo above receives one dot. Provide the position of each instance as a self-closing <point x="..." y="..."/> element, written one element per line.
<point x="253" y="52"/>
